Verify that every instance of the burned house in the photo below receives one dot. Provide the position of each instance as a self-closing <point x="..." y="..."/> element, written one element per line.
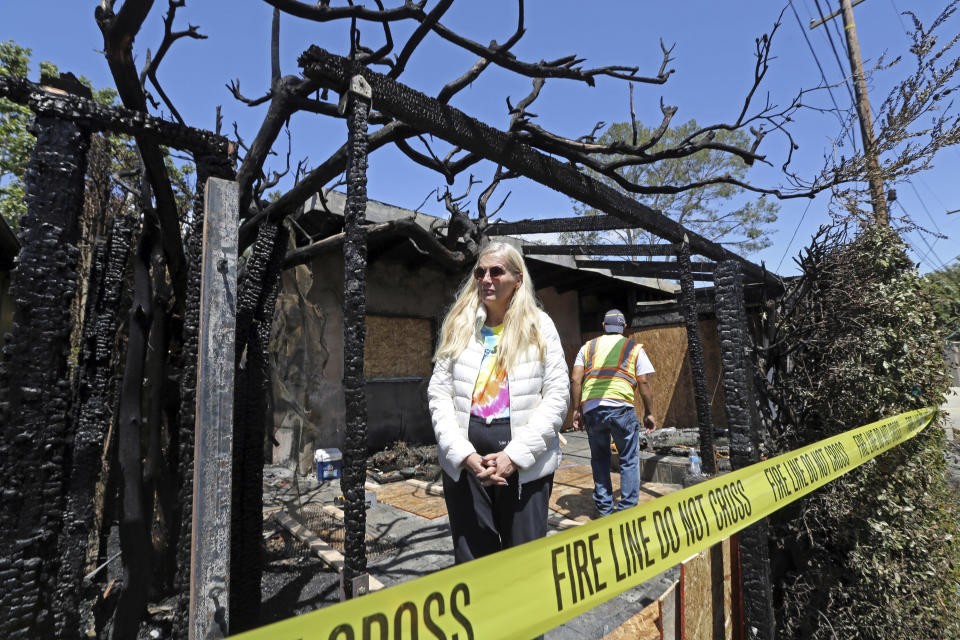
<point x="408" y="293"/>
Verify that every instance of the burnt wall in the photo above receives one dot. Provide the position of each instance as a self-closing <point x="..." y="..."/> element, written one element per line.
<point x="34" y="385"/>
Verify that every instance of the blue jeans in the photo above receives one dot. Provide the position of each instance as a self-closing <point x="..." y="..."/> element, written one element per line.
<point x="622" y="424"/>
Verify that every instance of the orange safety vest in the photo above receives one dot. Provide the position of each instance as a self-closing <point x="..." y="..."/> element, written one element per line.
<point x="609" y="369"/>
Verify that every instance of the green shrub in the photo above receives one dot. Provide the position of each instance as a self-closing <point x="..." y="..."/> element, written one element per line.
<point x="874" y="554"/>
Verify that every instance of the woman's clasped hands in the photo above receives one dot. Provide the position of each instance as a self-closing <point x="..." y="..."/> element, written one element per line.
<point x="491" y="469"/>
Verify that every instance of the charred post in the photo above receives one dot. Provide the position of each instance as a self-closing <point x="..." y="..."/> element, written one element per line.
<point x="96" y="389"/>
<point x="743" y="418"/>
<point x="34" y="384"/>
<point x="258" y="289"/>
<point x="695" y="352"/>
<point x="354" y="332"/>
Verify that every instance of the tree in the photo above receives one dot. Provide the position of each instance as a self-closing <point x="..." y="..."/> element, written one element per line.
<point x="944" y="289"/>
<point x="15" y="141"/>
<point x="708" y="210"/>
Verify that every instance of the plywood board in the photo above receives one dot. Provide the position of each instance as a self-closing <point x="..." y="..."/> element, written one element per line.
<point x="572" y="495"/>
<point x="666" y="346"/>
<point x="397" y="348"/>
<point x="706" y="594"/>
<point x="413" y="499"/>
<point x="642" y="626"/>
<point x="670" y="610"/>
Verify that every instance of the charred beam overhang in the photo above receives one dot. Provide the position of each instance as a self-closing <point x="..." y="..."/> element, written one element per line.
<point x="98" y="117"/>
<point x="559" y="225"/>
<point x="701" y="271"/>
<point x="424" y="113"/>
<point x="599" y="250"/>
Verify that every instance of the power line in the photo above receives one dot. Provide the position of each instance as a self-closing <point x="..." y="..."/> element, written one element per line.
<point x="843" y="71"/>
<point x="933" y="193"/>
<point x="785" y="251"/>
<point x="823" y="76"/>
<point x="923" y="204"/>
<point x="900" y="18"/>
<point x="930" y="250"/>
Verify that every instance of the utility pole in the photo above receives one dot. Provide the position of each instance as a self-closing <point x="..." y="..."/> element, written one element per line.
<point x="863" y="111"/>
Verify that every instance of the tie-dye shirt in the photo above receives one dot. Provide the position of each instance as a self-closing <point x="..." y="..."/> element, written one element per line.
<point x="491" y="393"/>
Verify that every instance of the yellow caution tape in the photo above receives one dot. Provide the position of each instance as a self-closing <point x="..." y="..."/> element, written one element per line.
<point x="527" y="590"/>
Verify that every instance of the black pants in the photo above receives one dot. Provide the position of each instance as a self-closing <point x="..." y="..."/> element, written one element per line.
<point x="485" y="520"/>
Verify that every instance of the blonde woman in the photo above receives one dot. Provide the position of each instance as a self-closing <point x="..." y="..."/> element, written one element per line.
<point x="498" y="396"/>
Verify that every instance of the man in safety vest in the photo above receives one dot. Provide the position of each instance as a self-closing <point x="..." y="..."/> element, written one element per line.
<point x="606" y="375"/>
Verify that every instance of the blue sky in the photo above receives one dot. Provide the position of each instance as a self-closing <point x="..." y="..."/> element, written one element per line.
<point x="713" y="61"/>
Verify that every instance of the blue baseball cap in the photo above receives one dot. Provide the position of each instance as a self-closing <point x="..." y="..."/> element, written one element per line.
<point x="614" y="321"/>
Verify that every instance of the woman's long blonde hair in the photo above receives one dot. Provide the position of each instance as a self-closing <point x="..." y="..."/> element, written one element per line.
<point x="521" y="323"/>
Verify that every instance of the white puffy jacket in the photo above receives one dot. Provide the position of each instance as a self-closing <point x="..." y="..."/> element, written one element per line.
<point x="539" y="395"/>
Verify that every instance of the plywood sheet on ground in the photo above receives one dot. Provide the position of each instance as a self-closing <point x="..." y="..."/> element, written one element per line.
<point x="572" y="494"/>
<point x="706" y="594"/>
<point x="642" y="626"/>
<point x="412" y="498"/>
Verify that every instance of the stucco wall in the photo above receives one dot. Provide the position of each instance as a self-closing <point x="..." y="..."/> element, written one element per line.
<point x="308" y="352"/>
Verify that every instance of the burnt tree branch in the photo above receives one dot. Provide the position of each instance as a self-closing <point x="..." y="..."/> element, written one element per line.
<point x="119" y="31"/>
<point x="420" y="112"/>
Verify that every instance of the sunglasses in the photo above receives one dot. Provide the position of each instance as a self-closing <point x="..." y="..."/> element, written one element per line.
<point x="495" y="271"/>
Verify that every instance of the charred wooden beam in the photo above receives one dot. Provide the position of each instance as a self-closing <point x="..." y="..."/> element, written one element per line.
<point x="688" y="299"/>
<point x="630" y="268"/>
<point x="258" y="288"/>
<point x="94" y="116"/>
<point x="96" y="389"/>
<point x="744" y="421"/>
<point x="354" y="333"/>
<point x="599" y="249"/>
<point x="559" y="225"/>
<point x="427" y="114"/>
<point x="34" y="380"/>
<point x="9" y="246"/>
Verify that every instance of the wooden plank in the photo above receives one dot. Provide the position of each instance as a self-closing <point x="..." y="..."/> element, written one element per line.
<point x="559" y="521"/>
<point x="330" y="556"/>
<point x="671" y="618"/>
<point x="213" y="441"/>
<point x="433" y="488"/>
<point x="642" y="626"/>
<point x="336" y="512"/>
